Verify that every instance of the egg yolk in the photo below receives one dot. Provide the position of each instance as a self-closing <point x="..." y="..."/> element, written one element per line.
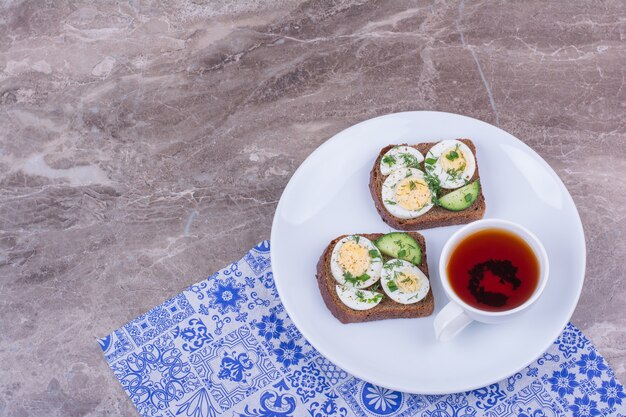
<point x="412" y="194"/>
<point x="452" y="160"/>
<point x="407" y="282"/>
<point x="354" y="258"/>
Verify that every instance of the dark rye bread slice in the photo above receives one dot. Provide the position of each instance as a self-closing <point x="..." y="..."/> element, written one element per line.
<point x="436" y="216"/>
<point x="387" y="308"/>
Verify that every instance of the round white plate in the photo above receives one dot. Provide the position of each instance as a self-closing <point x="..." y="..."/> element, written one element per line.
<point x="328" y="196"/>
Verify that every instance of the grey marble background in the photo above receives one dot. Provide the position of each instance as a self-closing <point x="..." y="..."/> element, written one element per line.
<point x="145" y="144"/>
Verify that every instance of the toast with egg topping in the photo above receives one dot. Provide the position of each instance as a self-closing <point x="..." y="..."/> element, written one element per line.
<point x="386" y="307"/>
<point x="465" y="203"/>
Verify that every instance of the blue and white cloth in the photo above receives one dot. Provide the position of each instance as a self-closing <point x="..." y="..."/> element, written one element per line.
<point x="226" y="347"/>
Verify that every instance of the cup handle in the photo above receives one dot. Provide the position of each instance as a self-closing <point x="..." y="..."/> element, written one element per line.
<point x="450" y="321"/>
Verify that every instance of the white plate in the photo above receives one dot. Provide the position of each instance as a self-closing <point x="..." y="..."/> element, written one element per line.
<point x="328" y="196"/>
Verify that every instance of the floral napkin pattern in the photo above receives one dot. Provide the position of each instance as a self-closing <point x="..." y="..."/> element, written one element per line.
<point x="226" y="347"/>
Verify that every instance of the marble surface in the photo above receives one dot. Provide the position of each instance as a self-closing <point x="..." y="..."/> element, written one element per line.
<point x="144" y="145"/>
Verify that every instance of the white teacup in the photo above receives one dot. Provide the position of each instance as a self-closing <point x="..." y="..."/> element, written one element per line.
<point x="457" y="314"/>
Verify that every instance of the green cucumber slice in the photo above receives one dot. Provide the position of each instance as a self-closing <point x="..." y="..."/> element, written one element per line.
<point x="401" y="246"/>
<point x="462" y="198"/>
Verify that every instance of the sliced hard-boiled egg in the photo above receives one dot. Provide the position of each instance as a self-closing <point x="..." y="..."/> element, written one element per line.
<point x="356" y="262"/>
<point x="406" y="194"/>
<point x="452" y="162"/>
<point x="404" y="282"/>
<point x="400" y="157"/>
<point x="358" y="299"/>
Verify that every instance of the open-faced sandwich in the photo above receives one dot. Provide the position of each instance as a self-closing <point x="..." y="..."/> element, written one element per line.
<point x="427" y="185"/>
<point x="374" y="277"/>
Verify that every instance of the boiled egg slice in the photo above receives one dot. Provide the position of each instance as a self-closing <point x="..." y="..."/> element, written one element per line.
<point x="358" y="299"/>
<point x="452" y="162"/>
<point x="356" y="262"/>
<point x="406" y="194"/>
<point x="400" y="157"/>
<point x="404" y="282"/>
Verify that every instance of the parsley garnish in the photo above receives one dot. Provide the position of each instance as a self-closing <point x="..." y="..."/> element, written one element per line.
<point x="389" y="160"/>
<point x="401" y="253"/>
<point x="361" y="297"/>
<point x="374" y="254"/>
<point x="392" y="286"/>
<point x="452" y="155"/>
<point x="468" y="197"/>
<point x="355" y="280"/>
<point x="430" y="161"/>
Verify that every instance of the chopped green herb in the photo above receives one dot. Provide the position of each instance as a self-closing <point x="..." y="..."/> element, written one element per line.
<point x="430" y="161"/>
<point x="410" y="160"/>
<point x="374" y="254"/>
<point x="357" y="238"/>
<point x="361" y="297"/>
<point x="375" y="287"/>
<point x="452" y="155"/>
<point x="394" y="263"/>
<point x="401" y="253"/>
<point x="389" y="160"/>
<point x="393" y="203"/>
<point x="412" y="185"/>
<point x="468" y="197"/>
<point x="455" y="174"/>
<point x="392" y="286"/>
<point x="434" y="184"/>
<point x="355" y="280"/>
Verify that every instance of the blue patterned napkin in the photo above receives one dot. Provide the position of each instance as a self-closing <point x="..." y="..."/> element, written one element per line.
<point x="225" y="346"/>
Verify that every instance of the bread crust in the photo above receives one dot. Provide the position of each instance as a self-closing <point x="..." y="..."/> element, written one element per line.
<point x="436" y="216"/>
<point x="387" y="308"/>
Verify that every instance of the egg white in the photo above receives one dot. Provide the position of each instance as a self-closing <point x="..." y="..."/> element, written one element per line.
<point x="388" y="275"/>
<point x="388" y="193"/>
<point x="374" y="269"/>
<point x="446" y="180"/>
<point x="350" y="297"/>
<point x="395" y="160"/>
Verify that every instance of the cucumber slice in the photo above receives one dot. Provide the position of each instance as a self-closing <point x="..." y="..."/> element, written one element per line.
<point x="401" y="246"/>
<point x="462" y="198"/>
